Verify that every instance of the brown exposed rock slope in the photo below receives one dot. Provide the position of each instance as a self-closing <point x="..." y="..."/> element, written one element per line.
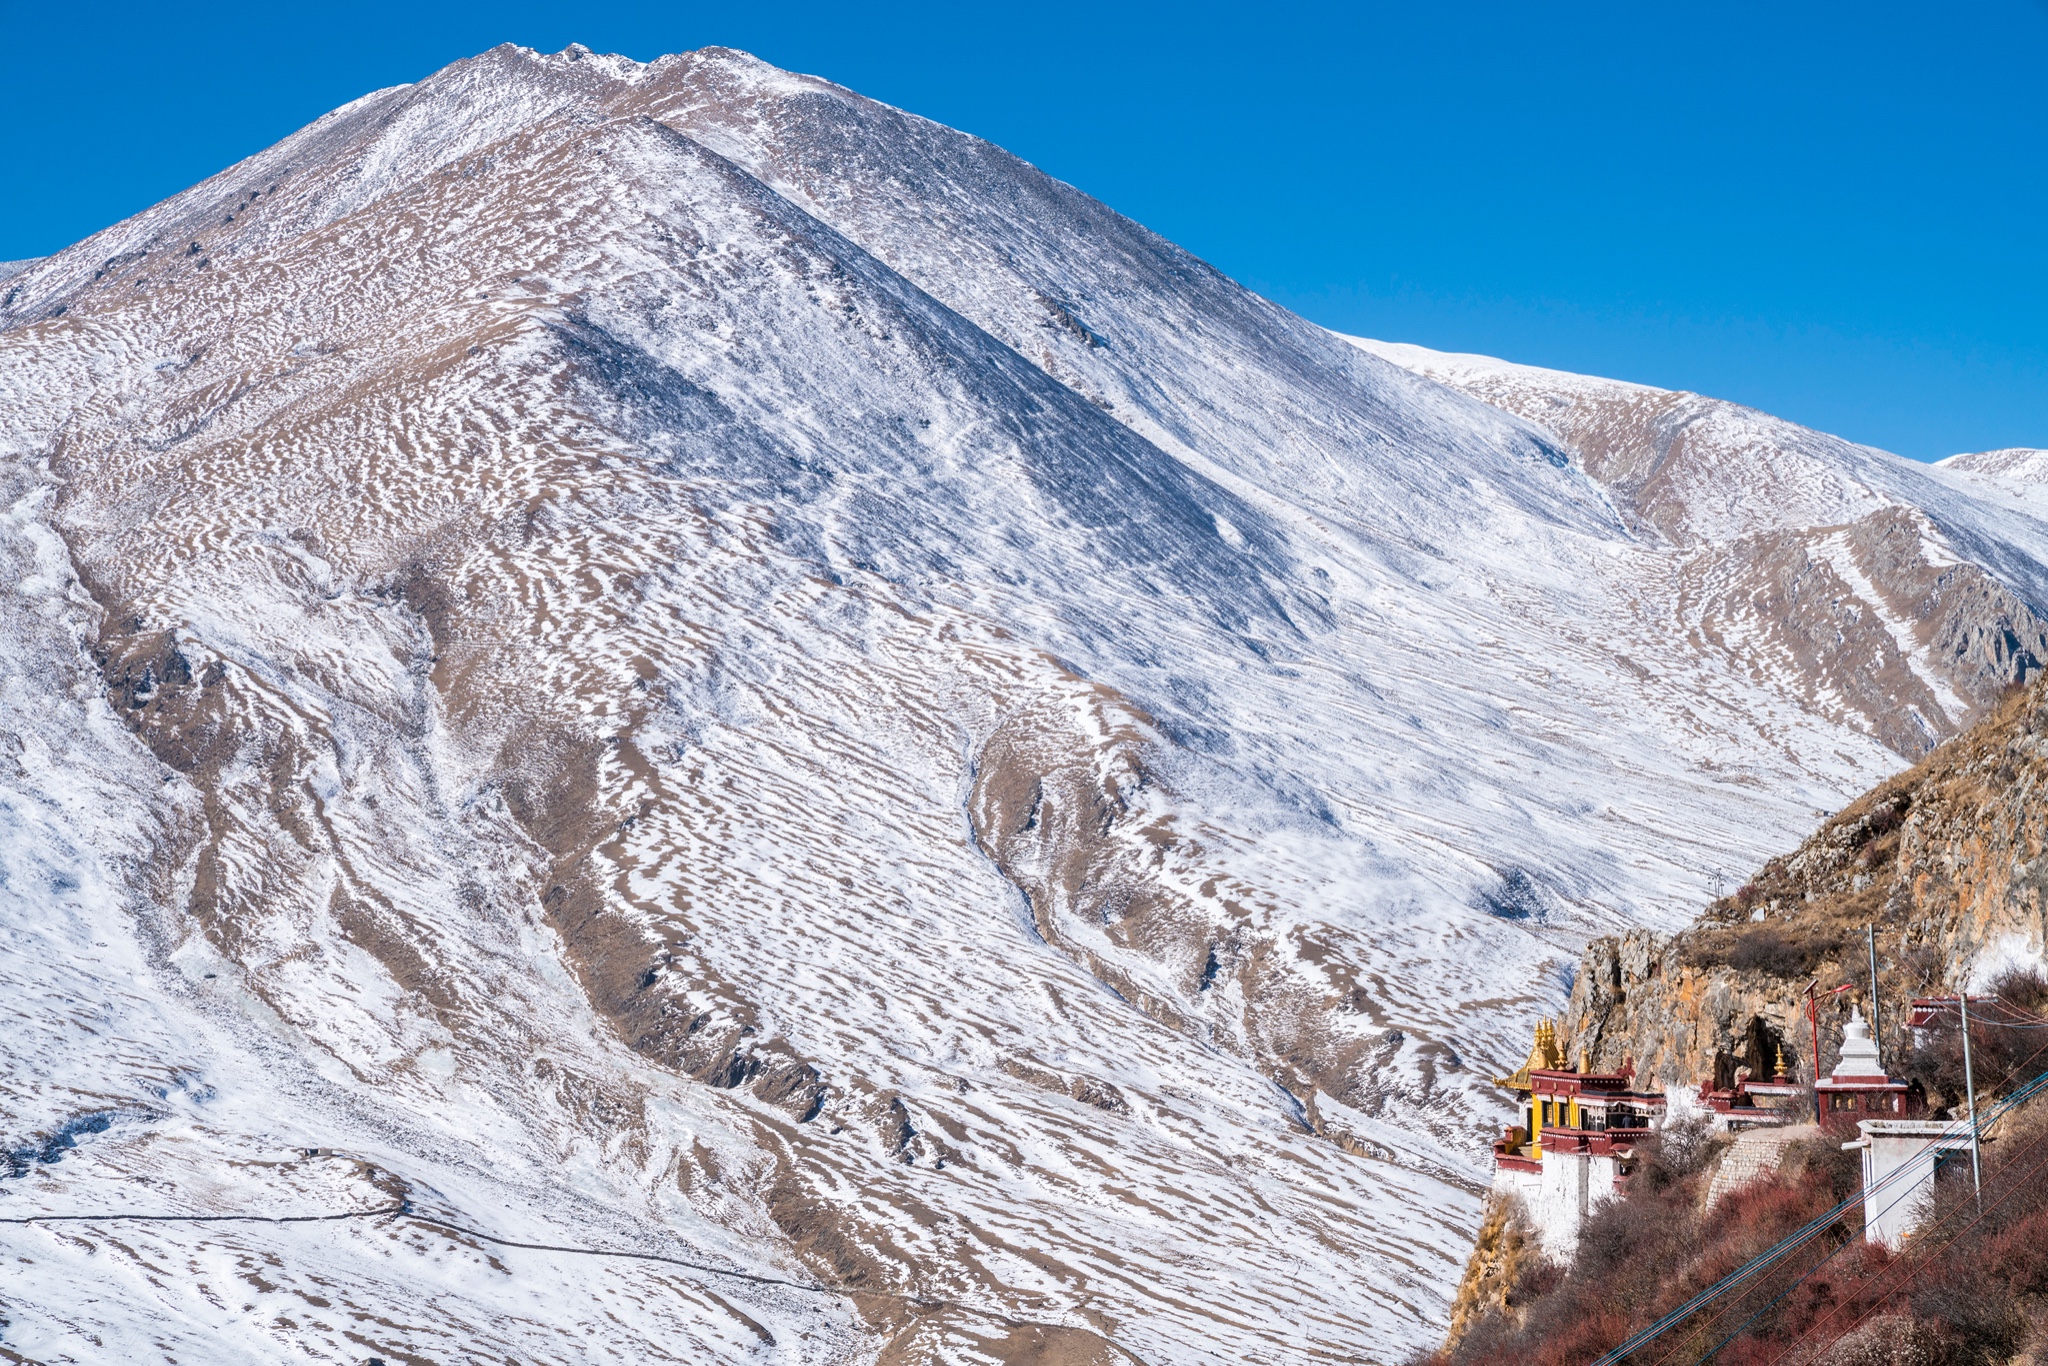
<point x="1787" y="561"/>
<point x="1948" y="860"/>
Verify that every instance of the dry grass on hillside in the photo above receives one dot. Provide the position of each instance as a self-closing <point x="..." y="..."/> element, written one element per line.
<point x="1804" y="912"/>
<point x="1966" y="1290"/>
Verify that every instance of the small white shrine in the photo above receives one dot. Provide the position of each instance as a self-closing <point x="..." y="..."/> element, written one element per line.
<point x="1900" y="1156"/>
<point x="1858" y="1086"/>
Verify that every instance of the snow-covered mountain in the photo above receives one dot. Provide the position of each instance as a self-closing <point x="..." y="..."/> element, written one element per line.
<point x="666" y="658"/>
<point x="1898" y="604"/>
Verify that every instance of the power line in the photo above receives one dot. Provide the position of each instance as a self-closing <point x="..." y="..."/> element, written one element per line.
<point x="404" y="1210"/>
<point x="1914" y="1268"/>
<point x="206" y="1218"/>
<point x="659" y="1257"/>
<point x="1809" y="1274"/>
<point x="1772" y="1256"/>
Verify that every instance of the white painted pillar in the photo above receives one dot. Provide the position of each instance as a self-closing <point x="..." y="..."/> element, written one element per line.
<point x="1899" y="1157"/>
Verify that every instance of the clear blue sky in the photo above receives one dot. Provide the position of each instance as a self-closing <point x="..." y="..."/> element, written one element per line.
<point x="1837" y="212"/>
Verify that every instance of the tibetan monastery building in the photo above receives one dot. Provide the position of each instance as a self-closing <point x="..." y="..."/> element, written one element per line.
<point x="1576" y="1144"/>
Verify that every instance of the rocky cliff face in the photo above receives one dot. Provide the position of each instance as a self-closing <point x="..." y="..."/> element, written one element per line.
<point x="1949" y="861"/>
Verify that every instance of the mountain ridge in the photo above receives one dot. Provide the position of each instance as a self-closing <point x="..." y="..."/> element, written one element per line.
<point x="722" y="641"/>
<point x="1872" y="568"/>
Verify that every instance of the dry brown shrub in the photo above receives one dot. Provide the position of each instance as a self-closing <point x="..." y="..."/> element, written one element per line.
<point x="1889" y="1340"/>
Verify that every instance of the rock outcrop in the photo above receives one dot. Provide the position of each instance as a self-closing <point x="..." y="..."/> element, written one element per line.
<point x="1948" y="861"/>
<point x="1504" y="1249"/>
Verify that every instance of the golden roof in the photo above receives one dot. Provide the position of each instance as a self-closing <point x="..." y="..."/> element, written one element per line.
<point x="1545" y="1056"/>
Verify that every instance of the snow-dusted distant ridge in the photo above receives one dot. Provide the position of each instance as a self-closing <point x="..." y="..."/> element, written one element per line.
<point x="1910" y="593"/>
<point x="665" y="656"/>
<point x="2019" y="464"/>
<point x="2016" y="475"/>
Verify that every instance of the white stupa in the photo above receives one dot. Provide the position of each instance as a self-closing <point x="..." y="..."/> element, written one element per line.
<point x="1859" y="1061"/>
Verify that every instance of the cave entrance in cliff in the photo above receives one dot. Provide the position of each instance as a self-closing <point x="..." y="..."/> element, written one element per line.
<point x="1760" y="1049"/>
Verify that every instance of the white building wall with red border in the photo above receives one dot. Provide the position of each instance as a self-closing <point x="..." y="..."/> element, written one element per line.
<point x="1560" y="1196"/>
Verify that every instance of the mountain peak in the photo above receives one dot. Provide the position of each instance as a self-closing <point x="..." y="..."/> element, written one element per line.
<point x="644" y="659"/>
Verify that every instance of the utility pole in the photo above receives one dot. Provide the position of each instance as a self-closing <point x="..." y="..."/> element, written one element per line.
<point x="1876" y="1020"/>
<point x="1970" y="1086"/>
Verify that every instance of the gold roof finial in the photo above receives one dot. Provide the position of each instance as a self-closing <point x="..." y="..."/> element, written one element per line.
<point x="1544" y="1056"/>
